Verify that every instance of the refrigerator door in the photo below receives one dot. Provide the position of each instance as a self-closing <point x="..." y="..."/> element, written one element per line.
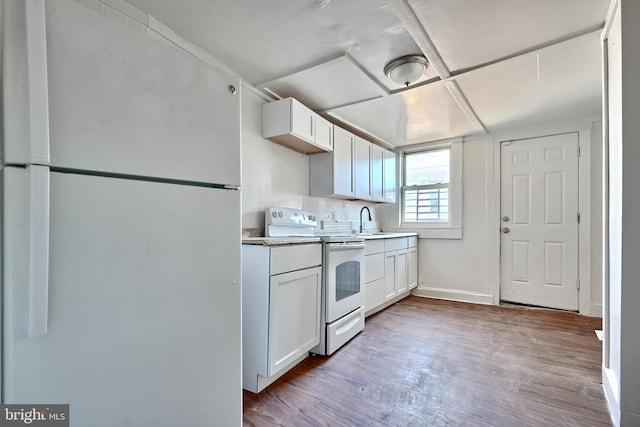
<point x="144" y="310"/>
<point x="120" y="100"/>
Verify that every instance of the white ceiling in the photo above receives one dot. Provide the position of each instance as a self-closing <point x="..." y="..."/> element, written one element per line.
<point x="495" y="63"/>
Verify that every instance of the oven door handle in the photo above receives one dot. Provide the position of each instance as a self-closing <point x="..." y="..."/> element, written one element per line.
<point x="333" y="247"/>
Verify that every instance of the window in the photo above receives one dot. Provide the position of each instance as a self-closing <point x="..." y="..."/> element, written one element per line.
<point x="431" y="198"/>
<point x="426" y="186"/>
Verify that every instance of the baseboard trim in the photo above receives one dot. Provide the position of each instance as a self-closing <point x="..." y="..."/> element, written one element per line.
<point x="596" y="310"/>
<point x="453" y="294"/>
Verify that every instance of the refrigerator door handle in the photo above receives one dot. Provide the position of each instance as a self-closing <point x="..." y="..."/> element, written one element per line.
<point x="38" y="251"/>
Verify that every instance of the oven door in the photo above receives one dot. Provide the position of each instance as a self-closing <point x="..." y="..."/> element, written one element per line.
<point x="344" y="278"/>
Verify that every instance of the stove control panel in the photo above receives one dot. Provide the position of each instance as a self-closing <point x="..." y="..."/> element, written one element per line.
<point x="286" y="222"/>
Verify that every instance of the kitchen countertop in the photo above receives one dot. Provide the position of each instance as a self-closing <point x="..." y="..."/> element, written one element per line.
<point x="385" y="235"/>
<point x="274" y="241"/>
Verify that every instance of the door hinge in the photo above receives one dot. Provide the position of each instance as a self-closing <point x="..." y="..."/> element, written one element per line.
<point x="578" y="284"/>
<point x="578" y="151"/>
<point x="578" y="217"/>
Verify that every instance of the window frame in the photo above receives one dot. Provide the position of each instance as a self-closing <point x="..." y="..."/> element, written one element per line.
<point x="442" y="230"/>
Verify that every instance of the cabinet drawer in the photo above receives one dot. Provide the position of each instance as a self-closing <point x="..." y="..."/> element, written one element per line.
<point x="395" y="244"/>
<point x="295" y="257"/>
<point x="343" y="329"/>
<point x="373" y="267"/>
<point x="374" y="246"/>
<point x="412" y="241"/>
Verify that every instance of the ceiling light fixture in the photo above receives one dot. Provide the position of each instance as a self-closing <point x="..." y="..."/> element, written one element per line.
<point x="406" y="70"/>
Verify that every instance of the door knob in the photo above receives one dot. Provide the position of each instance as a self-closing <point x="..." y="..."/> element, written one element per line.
<point x="505" y="218"/>
<point x="506" y="230"/>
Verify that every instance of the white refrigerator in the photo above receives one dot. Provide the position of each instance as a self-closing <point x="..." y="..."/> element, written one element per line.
<point x="120" y="175"/>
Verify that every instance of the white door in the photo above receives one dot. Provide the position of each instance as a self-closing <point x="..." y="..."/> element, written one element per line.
<point x="539" y="221"/>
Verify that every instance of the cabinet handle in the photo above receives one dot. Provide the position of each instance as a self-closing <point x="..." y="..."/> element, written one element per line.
<point x="311" y="125"/>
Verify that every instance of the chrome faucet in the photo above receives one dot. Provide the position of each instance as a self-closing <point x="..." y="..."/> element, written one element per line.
<point x="368" y="211"/>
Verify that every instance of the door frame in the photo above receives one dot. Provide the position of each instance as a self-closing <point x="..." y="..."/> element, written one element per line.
<point x="583" y="128"/>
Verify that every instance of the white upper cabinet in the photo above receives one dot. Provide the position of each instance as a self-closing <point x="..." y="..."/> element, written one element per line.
<point x="363" y="168"/>
<point x="332" y="173"/>
<point x="324" y="133"/>
<point x="289" y="123"/>
<point x="301" y="120"/>
<point x="377" y="179"/>
<point x="356" y="169"/>
<point x="389" y="176"/>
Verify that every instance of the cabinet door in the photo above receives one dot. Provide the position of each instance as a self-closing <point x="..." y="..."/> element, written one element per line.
<point x="294" y="316"/>
<point x="374" y="294"/>
<point x="362" y="168"/>
<point x="324" y="133"/>
<point x="390" y="274"/>
<point x="377" y="163"/>
<point x="389" y="176"/>
<point x="343" y="162"/>
<point x="412" y="268"/>
<point x="401" y="271"/>
<point x="302" y="121"/>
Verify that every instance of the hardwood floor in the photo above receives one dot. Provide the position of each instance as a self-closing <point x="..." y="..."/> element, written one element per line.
<point x="425" y="362"/>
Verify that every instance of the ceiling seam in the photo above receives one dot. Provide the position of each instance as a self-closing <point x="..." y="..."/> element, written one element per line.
<point x="383" y="89"/>
<point x="458" y="95"/>
<point x="533" y="49"/>
<point x="415" y="29"/>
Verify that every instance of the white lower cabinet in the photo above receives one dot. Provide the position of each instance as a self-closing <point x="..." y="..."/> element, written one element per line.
<point x="412" y="267"/>
<point x="401" y="272"/>
<point x="391" y="271"/>
<point x="294" y="326"/>
<point x="281" y="288"/>
<point x="395" y="273"/>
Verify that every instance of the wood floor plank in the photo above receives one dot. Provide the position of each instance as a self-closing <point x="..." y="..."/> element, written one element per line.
<point x="425" y="362"/>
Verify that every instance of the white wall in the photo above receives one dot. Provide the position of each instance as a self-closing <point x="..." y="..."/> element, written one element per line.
<point x="465" y="269"/>
<point x="596" y="248"/>
<point x="273" y="175"/>
<point x="621" y="376"/>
